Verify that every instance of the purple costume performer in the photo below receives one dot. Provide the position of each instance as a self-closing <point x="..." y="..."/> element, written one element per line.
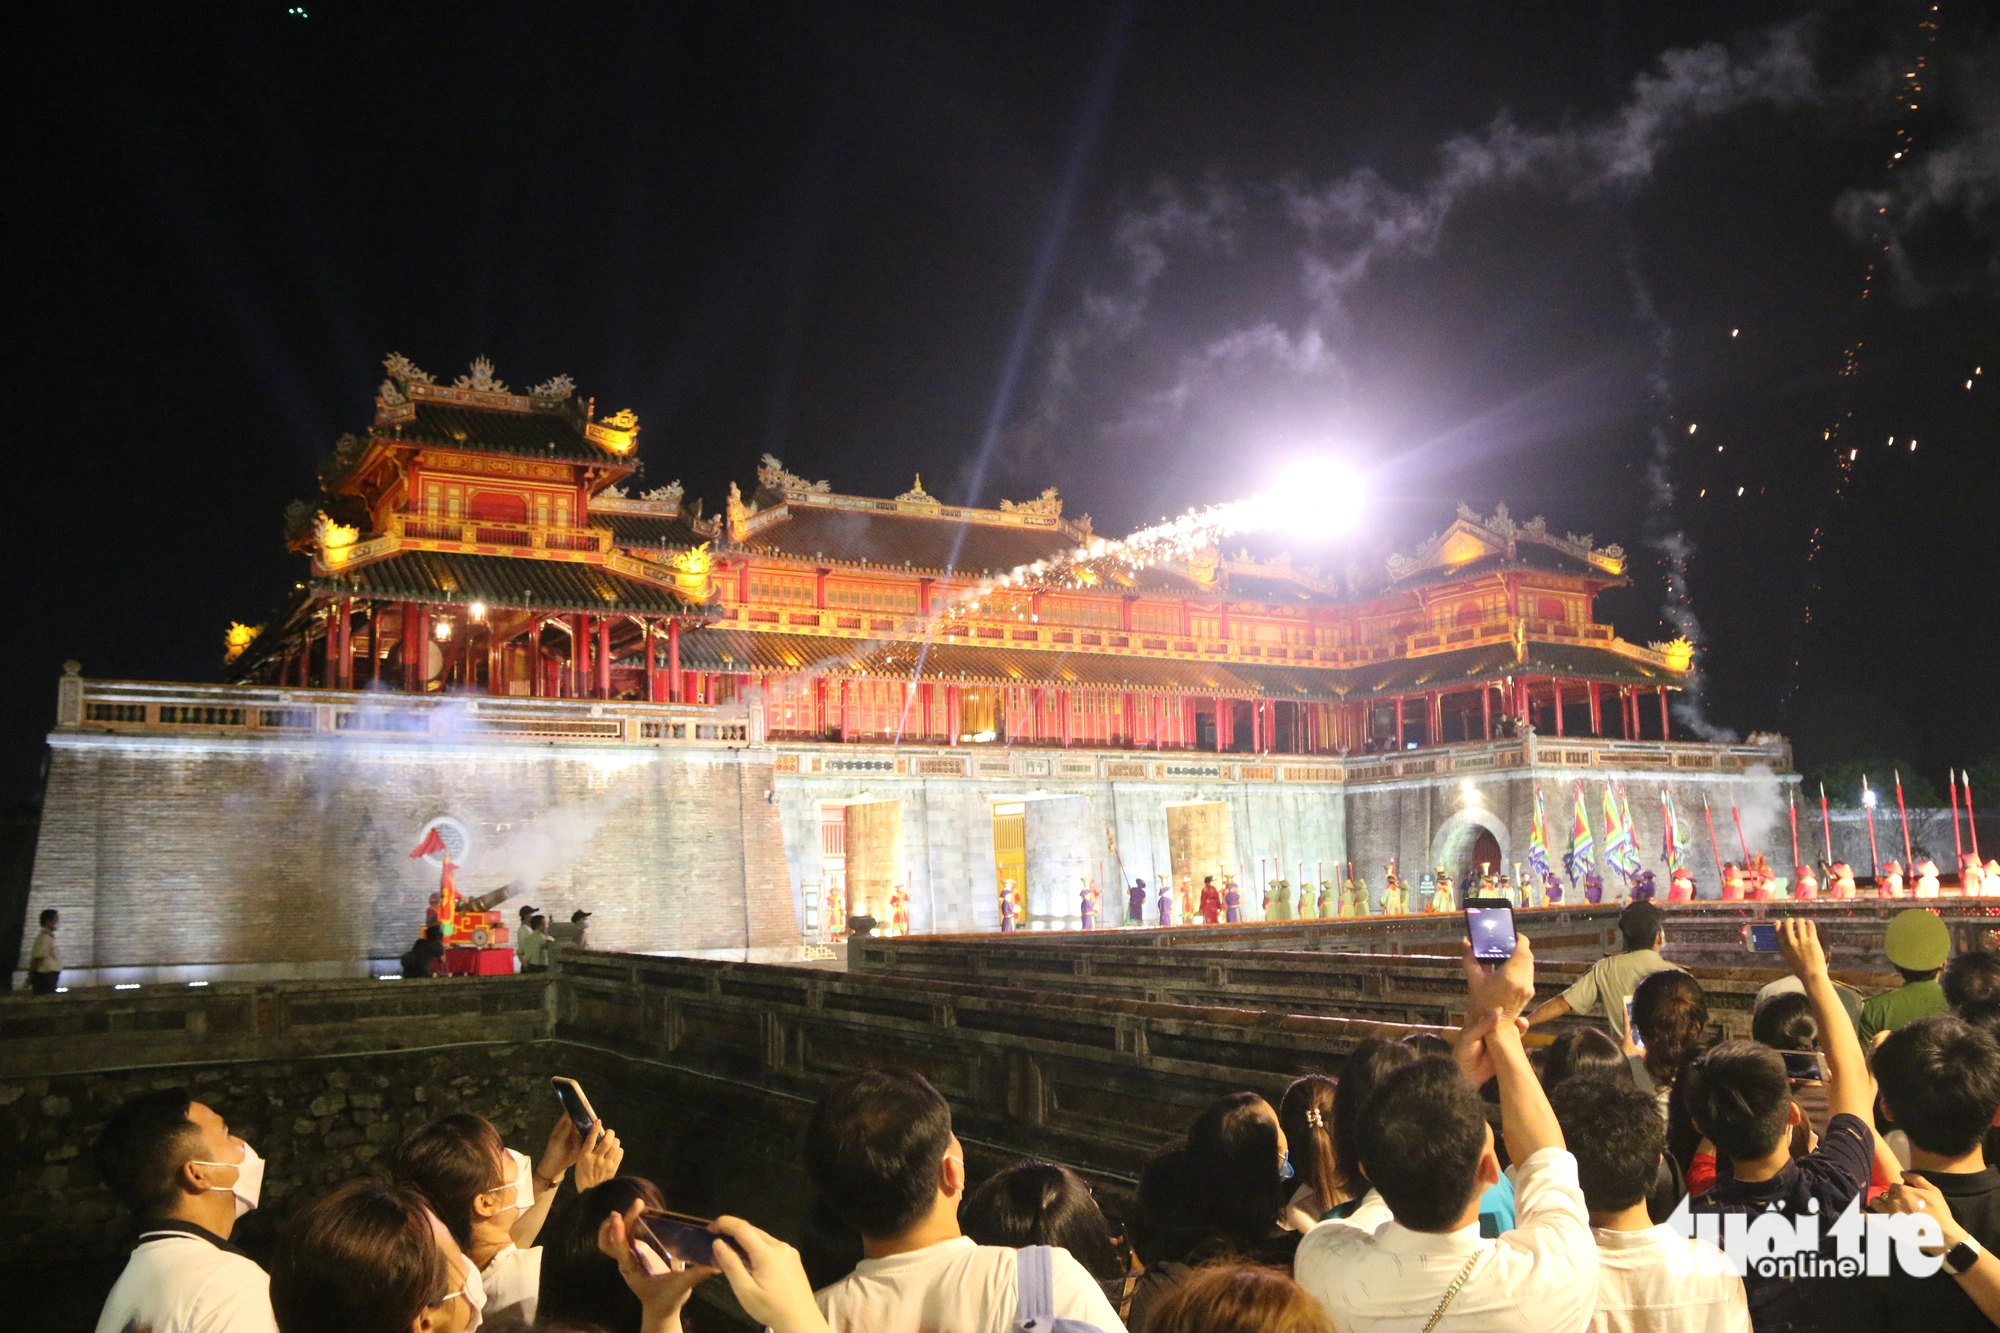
<point x="1135" y="904"/>
<point x="1232" y="901"/>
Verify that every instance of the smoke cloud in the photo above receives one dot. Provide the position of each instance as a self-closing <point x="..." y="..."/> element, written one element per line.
<point x="1337" y="232"/>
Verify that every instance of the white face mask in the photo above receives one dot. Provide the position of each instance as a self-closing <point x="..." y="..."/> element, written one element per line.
<point x="524" y="1180"/>
<point x="249" y="1183"/>
<point x="474" y="1292"/>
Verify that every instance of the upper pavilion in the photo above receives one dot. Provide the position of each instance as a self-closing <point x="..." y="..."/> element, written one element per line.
<point x="494" y="529"/>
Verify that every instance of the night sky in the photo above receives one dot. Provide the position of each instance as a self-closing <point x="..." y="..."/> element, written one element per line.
<point x="1142" y="253"/>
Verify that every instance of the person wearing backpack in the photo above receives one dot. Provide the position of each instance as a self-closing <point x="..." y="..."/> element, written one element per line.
<point x="880" y="1153"/>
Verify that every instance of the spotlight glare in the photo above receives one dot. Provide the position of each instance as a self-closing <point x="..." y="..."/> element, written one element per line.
<point x="1316" y="495"/>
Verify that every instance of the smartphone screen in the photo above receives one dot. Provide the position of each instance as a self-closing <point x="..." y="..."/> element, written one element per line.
<point x="687" y="1239"/>
<point x="1489" y="924"/>
<point x="574" y="1104"/>
<point x="1803" y="1065"/>
<point x="1761" y="936"/>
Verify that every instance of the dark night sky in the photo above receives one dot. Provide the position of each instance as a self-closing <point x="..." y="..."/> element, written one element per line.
<point x="814" y="229"/>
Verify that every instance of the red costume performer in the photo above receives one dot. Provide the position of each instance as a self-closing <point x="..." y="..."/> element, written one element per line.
<point x="1806" y="886"/>
<point x="1211" y="901"/>
<point x="1680" y="888"/>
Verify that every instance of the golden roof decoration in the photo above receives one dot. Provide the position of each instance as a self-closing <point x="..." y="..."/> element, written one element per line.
<point x="618" y="433"/>
<point x="481" y="378"/>
<point x="555" y="389"/>
<point x="1678" y="652"/>
<point x="333" y="536"/>
<point x="772" y="474"/>
<point x="1050" y="505"/>
<point x="238" y="637"/>
<point x="916" y="495"/>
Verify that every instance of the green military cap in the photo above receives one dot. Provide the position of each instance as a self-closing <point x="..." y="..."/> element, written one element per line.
<point x="1918" y="940"/>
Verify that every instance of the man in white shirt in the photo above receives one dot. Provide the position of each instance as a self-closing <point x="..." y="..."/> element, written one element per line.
<point x="44" y="959"/>
<point x="1427" y="1149"/>
<point x="186" y="1179"/>
<point x="1650" y="1279"/>
<point x="880" y="1152"/>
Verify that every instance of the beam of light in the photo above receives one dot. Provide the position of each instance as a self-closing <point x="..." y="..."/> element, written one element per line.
<point x="1054" y="233"/>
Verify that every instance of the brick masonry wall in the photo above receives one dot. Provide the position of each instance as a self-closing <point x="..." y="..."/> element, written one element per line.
<point x="162" y="851"/>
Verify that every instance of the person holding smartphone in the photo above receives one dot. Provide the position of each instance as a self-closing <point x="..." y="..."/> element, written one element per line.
<point x="1602" y="991"/>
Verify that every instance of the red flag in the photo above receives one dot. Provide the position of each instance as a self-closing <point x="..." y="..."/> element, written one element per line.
<point x="432" y="845"/>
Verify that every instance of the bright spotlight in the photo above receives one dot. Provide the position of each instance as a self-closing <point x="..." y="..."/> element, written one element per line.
<point x="1316" y="496"/>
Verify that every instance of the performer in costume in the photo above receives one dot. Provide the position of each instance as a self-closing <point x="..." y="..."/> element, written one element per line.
<point x="1088" y="900"/>
<point x="836" y="913"/>
<point x="1135" y="904"/>
<point x="1806" y="887"/>
<point x="1232" y="900"/>
<point x="1842" y="875"/>
<point x="1185" y="915"/>
<point x="1166" y="903"/>
<point x="1392" y="892"/>
<point x="1889" y="884"/>
<point x="1552" y="890"/>
<point x="1927" y="879"/>
<point x="1680" y="886"/>
<point x="1971" y="876"/>
<point x="1505" y="889"/>
<point x="1441" y="896"/>
<point x="1329" y="906"/>
<point x="899" y="910"/>
<point x="1643" y="888"/>
<point x="1732" y="883"/>
<point x="1353" y="898"/>
<point x="1211" y="901"/>
<point x="1007" y="907"/>
<point x="1593" y="888"/>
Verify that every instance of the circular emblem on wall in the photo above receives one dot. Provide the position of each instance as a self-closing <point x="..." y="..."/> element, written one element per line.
<point x="457" y="840"/>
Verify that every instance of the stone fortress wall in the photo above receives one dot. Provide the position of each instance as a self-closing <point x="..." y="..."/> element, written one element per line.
<point x="246" y="833"/>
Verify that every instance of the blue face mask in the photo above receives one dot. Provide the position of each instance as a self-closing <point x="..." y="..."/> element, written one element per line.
<point x="1285" y="1171"/>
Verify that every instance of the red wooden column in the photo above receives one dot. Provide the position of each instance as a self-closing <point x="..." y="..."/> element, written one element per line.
<point x="674" y="661"/>
<point x="950" y="714"/>
<point x="1632" y="711"/>
<point x="1131" y="709"/>
<point x="407" y="639"/>
<point x="604" y="657"/>
<point x="652" y="667"/>
<point x="1596" y="711"/>
<point x="537" y="686"/>
<point x="1399" y="724"/>
<point x="1434" y="723"/>
<point x="1666" y="729"/>
<point x="375" y="643"/>
<point x="1486" y="710"/>
<point x="1063" y="716"/>
<point x="1556" y="687"/>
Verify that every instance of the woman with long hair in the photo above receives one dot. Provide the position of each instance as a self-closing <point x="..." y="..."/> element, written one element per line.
<point x="1305" y="1113"/>
<point x="1237" y="1172"/>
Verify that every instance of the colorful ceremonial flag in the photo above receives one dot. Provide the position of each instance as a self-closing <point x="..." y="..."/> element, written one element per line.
<point x="1582" y="858"/>
<point x="1631" y="829"/>
<point x="1619" y="854"/>
<point x="1674" y="840"/>
<point x="1538" y="840"/>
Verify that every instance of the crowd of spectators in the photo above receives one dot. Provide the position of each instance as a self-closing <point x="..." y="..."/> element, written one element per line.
<point x="1485" y="1183"/>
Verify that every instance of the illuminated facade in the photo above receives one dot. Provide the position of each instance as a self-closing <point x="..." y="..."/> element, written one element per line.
<point x="478" y="540"/>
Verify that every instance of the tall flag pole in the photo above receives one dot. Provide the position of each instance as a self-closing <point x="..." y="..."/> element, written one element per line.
<point x="1971" y="819"/>
<point x="1868" y="807"/>
<point x="1714" y="847"/>
<point x="1957" y="845"/>
<point x="1792" y="808"/>
<point x="1631" y="829"/>
<point x="1673" y="849"/>
<point x="1825" y="824"/>
<point x="1740" y="842"/>
<point x="1582" y="851"/>
<point x="1909" y="861"/>
<point x="1538" y="841"/>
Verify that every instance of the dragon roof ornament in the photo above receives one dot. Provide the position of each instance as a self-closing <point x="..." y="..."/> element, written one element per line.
<point x="555" y="389"/>
<point x="667" y="494"/>
<point x="771" y="474"/>
<point x="1501" y="531"/>
<point x="1048" y="505"/>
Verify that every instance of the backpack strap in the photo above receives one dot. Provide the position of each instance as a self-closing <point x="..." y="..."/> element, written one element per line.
<point x="1035" y="1289"/>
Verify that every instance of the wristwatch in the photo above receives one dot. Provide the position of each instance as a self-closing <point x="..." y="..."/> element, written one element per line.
<point x="1961" y="1256"/>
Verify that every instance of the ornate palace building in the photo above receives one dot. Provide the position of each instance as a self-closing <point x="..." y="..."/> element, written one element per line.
<point x="483" y="541"/>
<point x="726" y="732"/>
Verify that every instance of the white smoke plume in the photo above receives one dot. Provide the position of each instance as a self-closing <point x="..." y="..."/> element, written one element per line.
<point x="1662" y="533"/>
<point x="1344" y="228"/>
